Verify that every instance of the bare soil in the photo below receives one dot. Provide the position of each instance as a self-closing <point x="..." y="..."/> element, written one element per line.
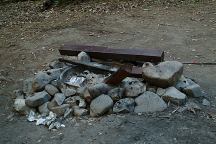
<point x="29" y="40"/>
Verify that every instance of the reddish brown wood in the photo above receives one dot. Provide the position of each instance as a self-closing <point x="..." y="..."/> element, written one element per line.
<point x="98" y="52"/>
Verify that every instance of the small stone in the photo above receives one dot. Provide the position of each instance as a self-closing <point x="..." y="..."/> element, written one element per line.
<point x="160" y="91"/>
<point x="68" y="91"/>
<point x="40" y="81"/>
<point x="100" y="105"/>
<point x="52" y="104"/>
<point x="86" y="95"/>
<point x="20" y="106"/>
<point x="59" y="98"/>
<point x="60" y="110"/>
<point x="164" y="74"/>
<point x="83" y="57"/>
<point x="43" y="109"/>
<point x="192" y="107"/>
<point x="134" y="88"/>
<point x="76" y="101"/>
<point x="27" y="86"/>
<point x="55" y="83"/>
<point x="37" y="99"/>
<point x="19" y="94"/>
<point x="193" y="90"/>
<point x="116" y="93"/>
<point x="149" y="102"/>
<point x="151" y="88"/>
<point x="189" y="87"/>
<point x="205" y="102"/>
<point x="175" y="96"/>
<point x="52" y="90"/>
<point x="182" y="83"/>
<point x="124" y="105"/>
<point x="54" y="73"/>
<point x="99" y="89"/>
<point x="80" y="111"/>
<point x="68" y="112"/>
<point x="56" y="64"/>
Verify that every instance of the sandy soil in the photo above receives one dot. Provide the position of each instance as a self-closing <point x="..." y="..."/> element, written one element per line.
<point x="29" y="40"/>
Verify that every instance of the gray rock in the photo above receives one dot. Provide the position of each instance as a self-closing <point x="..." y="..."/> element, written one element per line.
<point x="68" y="112"/>
<point x="83" y="57"/>
<point x="55" y="83"/>
<point x="19" y="94"/>
<point x="27" y="86"/>
<point x="160" y="91"/>
<point x="175" y="96"/>
<point x="40" y="81"/>
<point x="149" y="102"/>
<point x="124" y="105"/>
<point x="80" y="111"/>
<point x="99" y="89"/>
<point x="68" y="91"/>
<point x="52" y="90"/>
<point x="76" y="101"/>
<point x="59" y="98"/>
<point x="189" y="87"/>
<point x="205" y="102"/>
<point x="134" y="88"/>
<point x="100" y="105"/>
<point x="20" y="106"/>
<point x="84" y="93"/>
<point x="151" y="88"/>
<point x="52" y="104"/>
<point x="56" y="64"/>
<point x="164" y="74"/>
<point x="37" y="99"/>
<point x="116" y="93"/>
<point x="182" y="83"/>
<point x="43" y="109"/>
<point x="193" y="90"/>
<point x="55" y="73"/>
<point x="60" y="110"/>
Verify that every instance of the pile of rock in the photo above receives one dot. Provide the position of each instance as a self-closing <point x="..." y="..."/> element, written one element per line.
<point x="48" y="92"/>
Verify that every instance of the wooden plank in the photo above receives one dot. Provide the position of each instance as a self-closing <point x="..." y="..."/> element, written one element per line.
<point x="98" y="52"/>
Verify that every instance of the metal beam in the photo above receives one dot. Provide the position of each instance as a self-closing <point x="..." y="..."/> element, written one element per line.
<point x="98" y="52"/>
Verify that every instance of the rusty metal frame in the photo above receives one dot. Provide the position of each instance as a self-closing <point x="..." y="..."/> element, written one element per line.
<point x="98" y="52"/>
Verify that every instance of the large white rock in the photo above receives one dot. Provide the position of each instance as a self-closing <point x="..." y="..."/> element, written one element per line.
<point x="100" y="105"/>
<point x="175" y="96"/>
<point x="164" y="74"/>
<point x="149" y="102"/>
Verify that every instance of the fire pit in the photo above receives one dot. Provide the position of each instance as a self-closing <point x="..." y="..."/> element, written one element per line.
<point x="98" y="85"/>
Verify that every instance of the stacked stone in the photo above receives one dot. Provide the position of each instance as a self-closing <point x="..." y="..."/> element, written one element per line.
<point x="161" y="84"/>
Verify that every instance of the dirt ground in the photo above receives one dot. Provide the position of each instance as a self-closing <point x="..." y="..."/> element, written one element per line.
<point x="29" y="40"/>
